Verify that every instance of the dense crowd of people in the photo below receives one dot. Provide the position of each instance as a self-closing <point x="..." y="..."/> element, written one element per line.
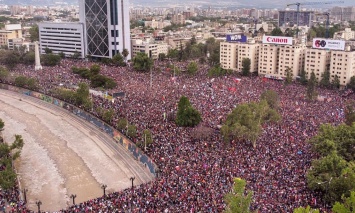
<point x="196" y="173"/>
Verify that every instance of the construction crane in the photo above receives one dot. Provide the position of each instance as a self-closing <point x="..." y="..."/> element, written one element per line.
<point x="309" y="3"/>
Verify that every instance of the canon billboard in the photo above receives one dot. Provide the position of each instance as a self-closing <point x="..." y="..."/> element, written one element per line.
<point x="236" y="38"/>
<point x="321" y="43"/>
<point x="277" y="40"/>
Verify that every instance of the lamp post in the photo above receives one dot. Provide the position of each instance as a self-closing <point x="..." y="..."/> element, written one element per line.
<point x="39" y="203"/>
<point x="73" y="196"/>
<point x="132" y="179"/>
<point x="326" y="188"/>
<point x="24" y="194"/>
<point x="104" y="188"/>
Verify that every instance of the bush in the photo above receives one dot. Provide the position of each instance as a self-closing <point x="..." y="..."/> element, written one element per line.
<point x="50" y="59"/>
<point x="187" y="116"/>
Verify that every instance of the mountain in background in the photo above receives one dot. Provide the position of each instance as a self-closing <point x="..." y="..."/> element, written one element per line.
<point x="193" y="3"/>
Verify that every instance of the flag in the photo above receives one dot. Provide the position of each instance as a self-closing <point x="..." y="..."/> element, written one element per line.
<point x="232" y="89"/>
<point x="236" y="80"/>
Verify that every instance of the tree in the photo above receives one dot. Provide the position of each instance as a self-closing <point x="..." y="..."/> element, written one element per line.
<point x="47" y="50"/>
<point x="305" y="210"/>
<point x="187" y="116"/>
<point x="11" y="59"/>
<point x="61" y="54"/>
<point x="246" y="120"/>
<point x="122" y="124"/>
<point x="147" y="137"/>
<point x="350" y="113"/>
<point x="339" y="139"/>
<point x="246" y="67"/>
<point x="82" y="94"/>
<point x="76" y="55"/>
<point x="311" y="92"/>
<point x="107" y="116"/>
<point x="161" y="56"/>
<point x="325" y="81"/>
<point x="276" y="32"/>
<point x="348" y="205"/>
<point x="95" y="69"/>
<point x="332" y="176"/>
<point x="125" y="53"/>
<point x="4" y="73"/>
<point x="289" y="76"/>
<point x="29" y="58"/>
<point x="34" y="33"/>
<point x="141" y="62"/>
<point x="271" y="97"/>
<point x="336" y="82"/>
<point x="2" y="125"/>
<point x="32" y="84"/>
<point x="50" y="59"/>
<point x="193" y="40"/>
<point x="132" y="131"/>
<point x="238" y="201"/>
<point x="173" y="53"/>
<point x="303" y="77"/>
<point x="351" y="84"/>
<point x="118" y="60"/>
<point x="21" y="81"/>
<point x="9" y="153"/>
<point x="192" y="68"/>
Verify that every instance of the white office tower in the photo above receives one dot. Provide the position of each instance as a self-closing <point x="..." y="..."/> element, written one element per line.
<point x="106" y="24"/>
<point x="37" y="57"/>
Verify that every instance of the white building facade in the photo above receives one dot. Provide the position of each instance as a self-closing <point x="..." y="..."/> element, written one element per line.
<point x="67" y="38"/>
<point x="107" y="28"/>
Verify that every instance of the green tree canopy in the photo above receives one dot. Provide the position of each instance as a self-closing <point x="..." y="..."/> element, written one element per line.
<point x="34" y="33"/>
<point x="348" y="205"/>
<point x="192" y="68"/>
<point x="350" y="113"/>
<point x="325" y="81"/>
<point x="351" y="84"/>
<point x="276" y="32"/>
<point x="118" y="60"/>
<point x="246" y="66"/>
<point x="308" y="209"/>
<point x="187" y="116"/>
<point x="50" y="59"/>
<point x="303" y="77"/>
<point x="2" y="125"/>
<point x="4" y="73"/>
<point x="141" y="62"/>
<point x="271" y="97"/>
<point x="311" y="92"/>
<point x="246" y="120"/>
<point x="289" y="76"/>
<point x="335" y="82"/>
<point x="238" y="201"/>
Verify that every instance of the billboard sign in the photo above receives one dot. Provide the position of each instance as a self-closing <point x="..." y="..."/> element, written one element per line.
<point x="320" y="43"/>
<point x="277" y="40"/>
<point x="235" y="38"/>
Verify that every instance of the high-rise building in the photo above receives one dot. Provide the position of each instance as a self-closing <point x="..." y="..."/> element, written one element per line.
<point x="289" y="17"/>
<point x="106" y="23"/>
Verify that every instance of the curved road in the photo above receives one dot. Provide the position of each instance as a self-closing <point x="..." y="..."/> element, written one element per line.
<point x="64" y="154"/>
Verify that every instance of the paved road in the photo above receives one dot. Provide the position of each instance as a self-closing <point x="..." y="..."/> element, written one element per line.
<point x="63" y="154"/>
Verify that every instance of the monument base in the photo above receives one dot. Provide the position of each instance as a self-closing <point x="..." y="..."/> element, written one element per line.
<point x="38" y="67"/>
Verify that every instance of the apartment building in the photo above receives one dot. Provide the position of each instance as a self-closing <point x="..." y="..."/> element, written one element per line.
<point x="347" y="34"/>
<point x="250" y="51"/>
<point x="342" y="64"/>
<point x="62" y="37"/>
<point x="228" y="55"/>
<point x="10" y="31"/>
<point x="152" y="49"/>
<point x="291" y="57"/>
<point x="269" y="59"/>
<point x="178" y="19"/>
<point x="317" y="61"/>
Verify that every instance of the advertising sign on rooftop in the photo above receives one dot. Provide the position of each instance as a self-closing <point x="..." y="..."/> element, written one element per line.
<point x="236" y="38"/>
<point x="321" y="43"/>
<point x="277" y="40"/>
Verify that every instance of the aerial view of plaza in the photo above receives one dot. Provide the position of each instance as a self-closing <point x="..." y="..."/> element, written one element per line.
<point x="135" y="106"/>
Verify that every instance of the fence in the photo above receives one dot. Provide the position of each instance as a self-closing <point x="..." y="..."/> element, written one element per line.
<point x="117" y="136"/>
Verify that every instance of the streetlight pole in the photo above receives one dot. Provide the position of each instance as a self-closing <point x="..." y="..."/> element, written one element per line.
<point x="157" y="172"/>
<point x="24" y="194"/>
<point x="104" y="188"/>
<point x="39" y="203"/>
<point x="73" y="196"/>
<point x="132" y="179"/>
